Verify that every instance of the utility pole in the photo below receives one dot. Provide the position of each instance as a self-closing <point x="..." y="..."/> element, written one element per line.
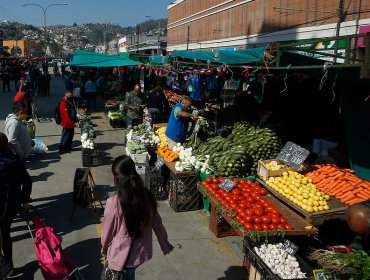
<point x="341" y="18"/>
<point x="137" y="38"/>
<point x="188" y="38"/>
<point x="159" y="36"/>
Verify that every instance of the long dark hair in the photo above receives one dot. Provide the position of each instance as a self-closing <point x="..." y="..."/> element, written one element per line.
<point x="138" y="203"/>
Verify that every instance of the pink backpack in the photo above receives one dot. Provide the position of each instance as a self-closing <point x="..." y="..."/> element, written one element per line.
<point x="53" y="262"/>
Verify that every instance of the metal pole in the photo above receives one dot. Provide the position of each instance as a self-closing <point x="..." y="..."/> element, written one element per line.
<point x="188" y="38"/>
<point x="159" y="36"/>
<point x="137" y="39"/>
<point x="341" y="17"/>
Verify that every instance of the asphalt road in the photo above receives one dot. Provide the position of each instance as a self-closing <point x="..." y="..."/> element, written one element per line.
<point x="197" y="255"/>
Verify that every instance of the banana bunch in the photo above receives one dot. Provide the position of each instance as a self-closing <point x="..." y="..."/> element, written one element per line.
<point x="163" y="138"/>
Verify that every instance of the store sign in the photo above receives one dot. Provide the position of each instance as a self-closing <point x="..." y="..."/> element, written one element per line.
<point x="227" y="185"/>
<point x="290" y="247"/>
<point x="293" y="155"/>
<point x="159" y="163"/>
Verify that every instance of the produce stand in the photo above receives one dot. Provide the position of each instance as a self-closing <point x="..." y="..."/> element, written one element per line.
<point x="258" y="268"/>
<point x="183" y="192"/>
<point x="299" y="224"/>
<point x="337" y="209"/>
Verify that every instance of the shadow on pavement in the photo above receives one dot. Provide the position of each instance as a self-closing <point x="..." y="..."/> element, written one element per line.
<point x="86" y="255"/>
<point x="42" y="160"/>
<point x="27" y="271"/>
<point x="42" y="177"/>
<point x="234" y="272"/>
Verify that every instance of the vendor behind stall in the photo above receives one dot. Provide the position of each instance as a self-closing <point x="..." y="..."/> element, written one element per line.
<point x="135" y="103"/>
<point x="178" y="124"/>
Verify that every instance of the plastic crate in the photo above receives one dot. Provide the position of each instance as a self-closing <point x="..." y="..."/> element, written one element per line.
<point x="219" y="226"/>
<point x="155" y="183"/>
<point x="184" y="195"/>
<point x="117" y="123"/>
<point x="138" y="158"/>
<point x="89" y="157"/>
<point x="260" y="266"/>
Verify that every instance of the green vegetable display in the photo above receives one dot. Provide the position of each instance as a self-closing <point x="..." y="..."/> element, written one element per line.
<point x="237" y="155"/>
<point x="135" y="148"/>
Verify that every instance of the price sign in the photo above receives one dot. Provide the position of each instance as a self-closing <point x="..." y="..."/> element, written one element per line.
<point x="227" y="185"/>
<point x="159" y="163"/>
<point x="136" y="139"/>
<point x="140" y="169"/>
<point x="293" y="155"/>
<point x="290" y="247"/>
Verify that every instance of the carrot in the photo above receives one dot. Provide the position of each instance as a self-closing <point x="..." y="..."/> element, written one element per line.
<point x="353" y="201"/>
<point x="366" y="191"/>
<point x="361" y="195"/>
<point x="348" y="196"/>
<point x="357" y="190"/>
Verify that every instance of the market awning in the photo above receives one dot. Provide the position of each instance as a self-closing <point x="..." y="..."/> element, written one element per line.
<point x="92" y="59"/>
<point x="158" y="59"/>
<point x="222" y="56"/>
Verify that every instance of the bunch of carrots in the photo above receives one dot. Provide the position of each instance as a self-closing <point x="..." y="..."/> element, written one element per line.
<point x="340" y="183"/>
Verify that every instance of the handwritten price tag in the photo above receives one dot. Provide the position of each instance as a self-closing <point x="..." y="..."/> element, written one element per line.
<point x="159" y="163"/>
<point x="290" y="247"/>
<point x="227" y="185"/>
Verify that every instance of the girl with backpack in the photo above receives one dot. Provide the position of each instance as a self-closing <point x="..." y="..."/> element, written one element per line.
<point x="130" y="216"/>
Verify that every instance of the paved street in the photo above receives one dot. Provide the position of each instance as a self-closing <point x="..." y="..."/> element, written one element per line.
<point x="197" y="255"/>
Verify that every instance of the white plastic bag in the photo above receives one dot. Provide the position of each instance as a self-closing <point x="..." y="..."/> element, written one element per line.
<point x="39" y="147"/>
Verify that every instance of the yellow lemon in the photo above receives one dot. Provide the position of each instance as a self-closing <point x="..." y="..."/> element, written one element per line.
<point x="316" y="203"/>
<point x="315" y="208"/>
<point x="327" y="197"/>
<point x="309" y="209"/>
<point x="326" y="207"/>
<point x="321" y="208"/>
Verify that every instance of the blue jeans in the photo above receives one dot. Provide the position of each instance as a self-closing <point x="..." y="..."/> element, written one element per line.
<point x="155" y="115"/>
<point x="66" y="140"/>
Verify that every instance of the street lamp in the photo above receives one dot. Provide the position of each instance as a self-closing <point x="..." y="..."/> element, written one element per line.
<point x="159" y="33"/>
<point x="44" y="9"/>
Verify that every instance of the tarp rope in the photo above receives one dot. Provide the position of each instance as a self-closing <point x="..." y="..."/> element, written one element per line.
<point x="286" y="77"/>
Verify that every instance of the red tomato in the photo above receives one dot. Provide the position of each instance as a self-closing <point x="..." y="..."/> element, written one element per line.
<point x="239" y="210"/>
<point x="257" y="220"/>
<point x="250" y="200"/>
<point x="240" y="218"/>
<point x="248" y="226"/>
<point x="204" y="183"/>
<point x="263" y="191"/>
<point x="257" y="197"/>
<point x="217" y="196"/>
<point x="234" y="206"/>
<point x="235" y="191"/>
<point x="272" y="226"/>
<point x="283" y="220"/>
<point x="257" y="227"/>
<point x="242" y="204"/>
<point x="249" y="219"/>
<point x="280" y="226"/>
<point x="215" y="187"/>
<point x="275" y="221"/>
<point x="262" y="201"/>
<point x="266" y="219"/>
<point x="234" y="180"/>
<point x="249" y="212"/>
<point x="222" y="201"/>
<point x="275" y="216"/>
<point x="288" y="227"/>
<point x="235" y="197"/>
<point x="209" y="180"/>
<point x="265" y="226"/>
<point x="215" y="181"/>
<point x="276" y="212"/>
<point x="249" y="182"/>
<point x="221" y="179"/>
<point x="258" y="212"/>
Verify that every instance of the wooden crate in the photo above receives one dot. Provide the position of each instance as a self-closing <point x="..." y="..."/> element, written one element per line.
<point x="219" y="226"/>
<point x="337" y="208"/>
<point x="265" y="174"/>
<point x="299" y="223"/>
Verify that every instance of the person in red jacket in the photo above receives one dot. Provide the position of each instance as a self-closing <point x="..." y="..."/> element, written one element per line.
<point x="68" y="114"/>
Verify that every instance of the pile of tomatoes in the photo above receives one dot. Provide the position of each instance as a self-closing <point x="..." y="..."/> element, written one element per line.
<point x="252" y="210"/>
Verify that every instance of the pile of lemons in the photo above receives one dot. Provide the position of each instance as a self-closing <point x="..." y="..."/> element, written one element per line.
<point x="274" y="166"/>
<point x="163" y="138"/>
<point x="300" y="190"/>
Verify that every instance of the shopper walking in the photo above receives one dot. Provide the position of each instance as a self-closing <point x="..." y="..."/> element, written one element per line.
<point x="68" y="115"/>
<point x="129" y="218"/>
<point x="15" y="191"/>
<point x="91" y="93"/>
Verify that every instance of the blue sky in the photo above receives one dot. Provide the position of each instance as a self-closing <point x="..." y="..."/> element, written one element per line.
<point x="123" y="12"/>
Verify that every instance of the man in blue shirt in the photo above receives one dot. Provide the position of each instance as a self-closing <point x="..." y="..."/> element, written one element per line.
<point x="178" y="124"/>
